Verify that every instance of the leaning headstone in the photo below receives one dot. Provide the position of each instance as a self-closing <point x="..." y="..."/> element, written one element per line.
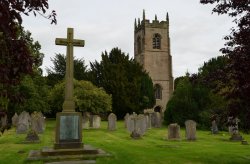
<point x="190" y="130"/>
<point x="112" y="122"/>
<point x="37" y="122"/>
<point x="96" y="121"/>
<point x="14" y="119"/>
<point x="85" y="120"/>
<point x="214" y="128"/>
<point x="174" y="132"/>
<point x="156" y="120"/>
<point x="126" y="119"/>
<point x="23" y="123"/>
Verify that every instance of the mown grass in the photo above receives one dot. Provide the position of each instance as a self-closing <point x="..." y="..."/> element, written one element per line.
<point x="153" y="148"/>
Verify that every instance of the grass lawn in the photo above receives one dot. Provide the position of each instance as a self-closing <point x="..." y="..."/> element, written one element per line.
<point x="153" y="148"/>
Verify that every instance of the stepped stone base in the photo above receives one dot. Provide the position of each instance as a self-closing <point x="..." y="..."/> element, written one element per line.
<point x="50" y="154"/>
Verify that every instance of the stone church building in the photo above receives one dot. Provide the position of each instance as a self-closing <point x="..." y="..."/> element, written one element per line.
<point x="152" y="51"/>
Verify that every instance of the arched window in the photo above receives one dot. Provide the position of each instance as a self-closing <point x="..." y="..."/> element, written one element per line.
<point x="158" y="91"/>
<point x="156" y="41"/>
<point x="139" y="44"/>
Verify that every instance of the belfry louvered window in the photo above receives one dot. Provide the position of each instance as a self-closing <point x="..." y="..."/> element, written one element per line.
<point x="156" y="41"/>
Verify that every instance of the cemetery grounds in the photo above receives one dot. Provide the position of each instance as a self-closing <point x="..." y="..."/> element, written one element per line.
<point x="153" y="148"/>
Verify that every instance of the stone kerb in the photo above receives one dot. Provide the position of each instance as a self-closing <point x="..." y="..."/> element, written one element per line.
<point x="190" y="130"/>
<point x="112" y="122"/>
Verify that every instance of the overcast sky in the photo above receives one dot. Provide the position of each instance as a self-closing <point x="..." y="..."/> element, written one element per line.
<point x="196" y="34"/>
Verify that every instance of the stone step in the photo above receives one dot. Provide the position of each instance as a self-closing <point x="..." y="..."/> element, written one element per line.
<point x="74" y="162"/>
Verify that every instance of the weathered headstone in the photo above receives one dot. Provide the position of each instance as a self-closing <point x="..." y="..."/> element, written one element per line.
<point x="3" y="121"/>
<point x="23" y="123"/>
<point x="141" y="124"/>
<point x="126" y="119"/>
<point x="190" y="130"/>
<point x="148" y="113"/>
<point x="37" y="122"/>
<point x="96" y="121"/>
<point x="234" y="129"/>
<point x="112" y="122"/>
<point x="174" y="132"/>
<point x="214" y="128"/>
<point x="85" y="120"/>
<point x="136" y="125"/>
<point x="156" y="120"/>
<point x="130" y="123"/>
<point x="233" y="125"/>
<point x="14" y="119"/>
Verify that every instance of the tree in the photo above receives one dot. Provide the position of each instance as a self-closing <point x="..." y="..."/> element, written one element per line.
<point x="57" y="72"/>
<point x="32" y="89"/>
<point x="88" y="98"/>
<point x="237" y="49"/>
<point x="15" y="54"/>
<point x="130" y="86"/>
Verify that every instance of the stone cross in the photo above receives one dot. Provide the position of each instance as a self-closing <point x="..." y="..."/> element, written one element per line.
<point x="69" y="104"/>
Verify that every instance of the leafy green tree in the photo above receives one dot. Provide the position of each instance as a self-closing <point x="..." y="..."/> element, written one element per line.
<point x="237" y="50"/>
<point x="57" y="72"/>
<point x="130" y="86"/>
<point x="88" y="98"/>
<point x="15" y="54"/>
<point x="32" y="89"/>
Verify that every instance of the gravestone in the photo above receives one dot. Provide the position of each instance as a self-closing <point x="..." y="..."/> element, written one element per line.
<point x="141" y="124"/>
<point x="136" y="125"/>
<point x="69" y="122"/>
<point x="14" y="119"/>
<point x="130" y="123"/>
<point x="190" y="130"/>
<point x="23" y="123"/>
<point x="147" y="121"/>
<point x="95" y="121"/>
<point x="156" y="120"/>
<point x="37" y="122"/>
<point x="148" y="113"/>
<point x="214" y="128"/>
<point x="112" y="122"/>
<point x="234" y="129"/>
<point x="85" y="120"/>
<point x="3" y="120"/>
<point x="126" y="119"/>
<point x="233" y="125"/>
<point x="174" y="132"/>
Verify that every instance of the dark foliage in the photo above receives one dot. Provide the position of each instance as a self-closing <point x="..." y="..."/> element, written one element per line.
<point x="237" y="49"/>
<point x="130" y="86"/>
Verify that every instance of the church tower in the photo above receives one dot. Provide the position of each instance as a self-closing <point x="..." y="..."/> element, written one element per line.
<point x="152" y="51"/>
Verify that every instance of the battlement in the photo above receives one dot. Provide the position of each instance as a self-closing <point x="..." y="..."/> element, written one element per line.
<point x="145" y="23"/>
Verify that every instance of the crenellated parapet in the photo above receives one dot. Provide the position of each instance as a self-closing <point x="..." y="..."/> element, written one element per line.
<point x="150" y="24"/>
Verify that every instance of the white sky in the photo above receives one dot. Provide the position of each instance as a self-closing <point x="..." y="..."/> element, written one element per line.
<point x="196" y="35"/>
